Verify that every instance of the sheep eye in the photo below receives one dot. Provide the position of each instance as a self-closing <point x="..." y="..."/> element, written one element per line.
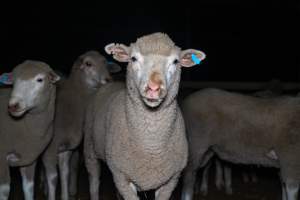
<point x="133" y="59"/>
<point x="39" y="80"/>
<point x="88" y="63"/>
<point x="176" y="61"/>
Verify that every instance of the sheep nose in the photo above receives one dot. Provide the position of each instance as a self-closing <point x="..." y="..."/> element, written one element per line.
<point x="153" y="86"/>
<point x="13" y="107"/>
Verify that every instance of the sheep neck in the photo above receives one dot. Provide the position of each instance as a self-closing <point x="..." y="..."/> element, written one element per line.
<point x="77" y="81"/>
<point x="150" y="129"/>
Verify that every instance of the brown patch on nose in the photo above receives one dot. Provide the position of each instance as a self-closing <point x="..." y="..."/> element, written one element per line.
<point x="155" y="78"/>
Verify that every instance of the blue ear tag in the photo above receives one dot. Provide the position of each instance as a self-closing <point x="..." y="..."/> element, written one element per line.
<point x="6" y="79"/>
<point x="110" y="62"/>
<point x="195" y="59"/>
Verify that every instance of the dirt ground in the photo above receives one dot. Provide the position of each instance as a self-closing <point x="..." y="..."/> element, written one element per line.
<point x="267" y="187"/>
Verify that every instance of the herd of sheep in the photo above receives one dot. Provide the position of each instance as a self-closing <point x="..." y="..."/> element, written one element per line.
<point x="137" y="127"/>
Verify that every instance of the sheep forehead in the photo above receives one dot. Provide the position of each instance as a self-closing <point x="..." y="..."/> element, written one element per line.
<point x="93" y="55"/>
<point x="30" y="69"/>
<point x="157" y="43"/>
<point x="95" y="58"/>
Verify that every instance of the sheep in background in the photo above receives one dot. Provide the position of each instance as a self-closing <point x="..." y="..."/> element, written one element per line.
<point x="89" y="72"/>
<point x="223" y="173"/>
<point x="139" y="131"/>
<point x="26" y="133"/>
<point x="243" y="129"/>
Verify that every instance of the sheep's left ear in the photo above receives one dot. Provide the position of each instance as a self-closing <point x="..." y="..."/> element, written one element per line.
<point x="53" y="77"/>
<point x="191" y="57"/>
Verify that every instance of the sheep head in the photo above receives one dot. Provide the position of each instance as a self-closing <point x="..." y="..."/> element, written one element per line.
<point x="154" y="63"/>
<point x="94" y="69"/>
<point x="32" y="84"/>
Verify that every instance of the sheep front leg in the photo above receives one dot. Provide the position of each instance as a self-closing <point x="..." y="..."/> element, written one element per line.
<point x="4" y="180"/>
<point x="27" y="174"/>
<point x="190" y="172"/>
<point x="51" y="175"/>
<point x="283" y="191"/>
<point x="64" y="168"/>
<point x="94" y="170"/>
<point x="204" y="180"/>
<point x="189" y="178"/>
<point x="165" y="191"/>
<point x="219" y="174"/>
<point x="74" y="168"/>
<point x="291" y="190"/>
<point x="228" y="179"/>
<point x="127" y="189"/>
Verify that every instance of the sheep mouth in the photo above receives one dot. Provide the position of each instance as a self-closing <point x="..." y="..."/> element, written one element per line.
<point x="152" y="102"/>
<point x="17" y="113"/>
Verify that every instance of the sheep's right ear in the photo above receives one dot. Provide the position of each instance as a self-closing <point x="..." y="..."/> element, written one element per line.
<point x="113" y="67"/>
<point x="120" y="52"/>
<point x="53" y="77"/>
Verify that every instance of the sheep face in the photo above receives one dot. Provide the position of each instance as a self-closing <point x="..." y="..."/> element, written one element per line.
<point x="154" y="63"/>
<point x="32" y="84"/>
<point x="95" y="69"/>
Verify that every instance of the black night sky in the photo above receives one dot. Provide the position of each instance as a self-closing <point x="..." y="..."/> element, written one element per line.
<point x="245" y="40"/>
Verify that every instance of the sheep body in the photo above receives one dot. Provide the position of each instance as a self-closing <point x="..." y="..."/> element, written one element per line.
<point x="243" y="129"/>
<point x="89" y="72"/>
<point x="139" y="131"/>
<point x="25" y="136"/>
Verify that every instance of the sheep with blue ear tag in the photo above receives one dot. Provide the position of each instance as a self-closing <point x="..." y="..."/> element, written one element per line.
<point x="139" y="130"/>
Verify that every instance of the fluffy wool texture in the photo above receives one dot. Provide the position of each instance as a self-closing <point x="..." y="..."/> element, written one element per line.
<point x="28" y="136"/>
<point x="157" y="43"/>
<point x="142" y="146"/>
<point x="243" y="129"/>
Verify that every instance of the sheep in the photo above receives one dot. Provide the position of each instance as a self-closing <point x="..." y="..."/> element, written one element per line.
<point x="243" y="129"/>
<point x="88" y="73"/>
<point x="26" y="125"/>
<point x="272" y="90"/>
<point x="139" y="130"/>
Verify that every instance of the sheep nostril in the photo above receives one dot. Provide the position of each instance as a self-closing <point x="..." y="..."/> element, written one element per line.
<point x="153" y="87"/>
<point x="13" y="107"/>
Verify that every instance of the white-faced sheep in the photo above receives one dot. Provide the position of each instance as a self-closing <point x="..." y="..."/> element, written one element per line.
<point x="243" y="129"/>
<point x="27" y="131"/>
<point x="89" y="72"/>
<point x="139" y="131"/>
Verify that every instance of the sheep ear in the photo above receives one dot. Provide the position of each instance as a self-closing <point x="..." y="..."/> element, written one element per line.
<point x="113" y="67"/>
<point x="120" y="52"/>
<point x="6" y="78"/>
<point x="191" y="57"/>
<point x="53" y="77"/>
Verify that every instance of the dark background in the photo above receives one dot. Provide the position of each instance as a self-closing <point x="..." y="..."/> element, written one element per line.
<point x="245" y="40"/>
